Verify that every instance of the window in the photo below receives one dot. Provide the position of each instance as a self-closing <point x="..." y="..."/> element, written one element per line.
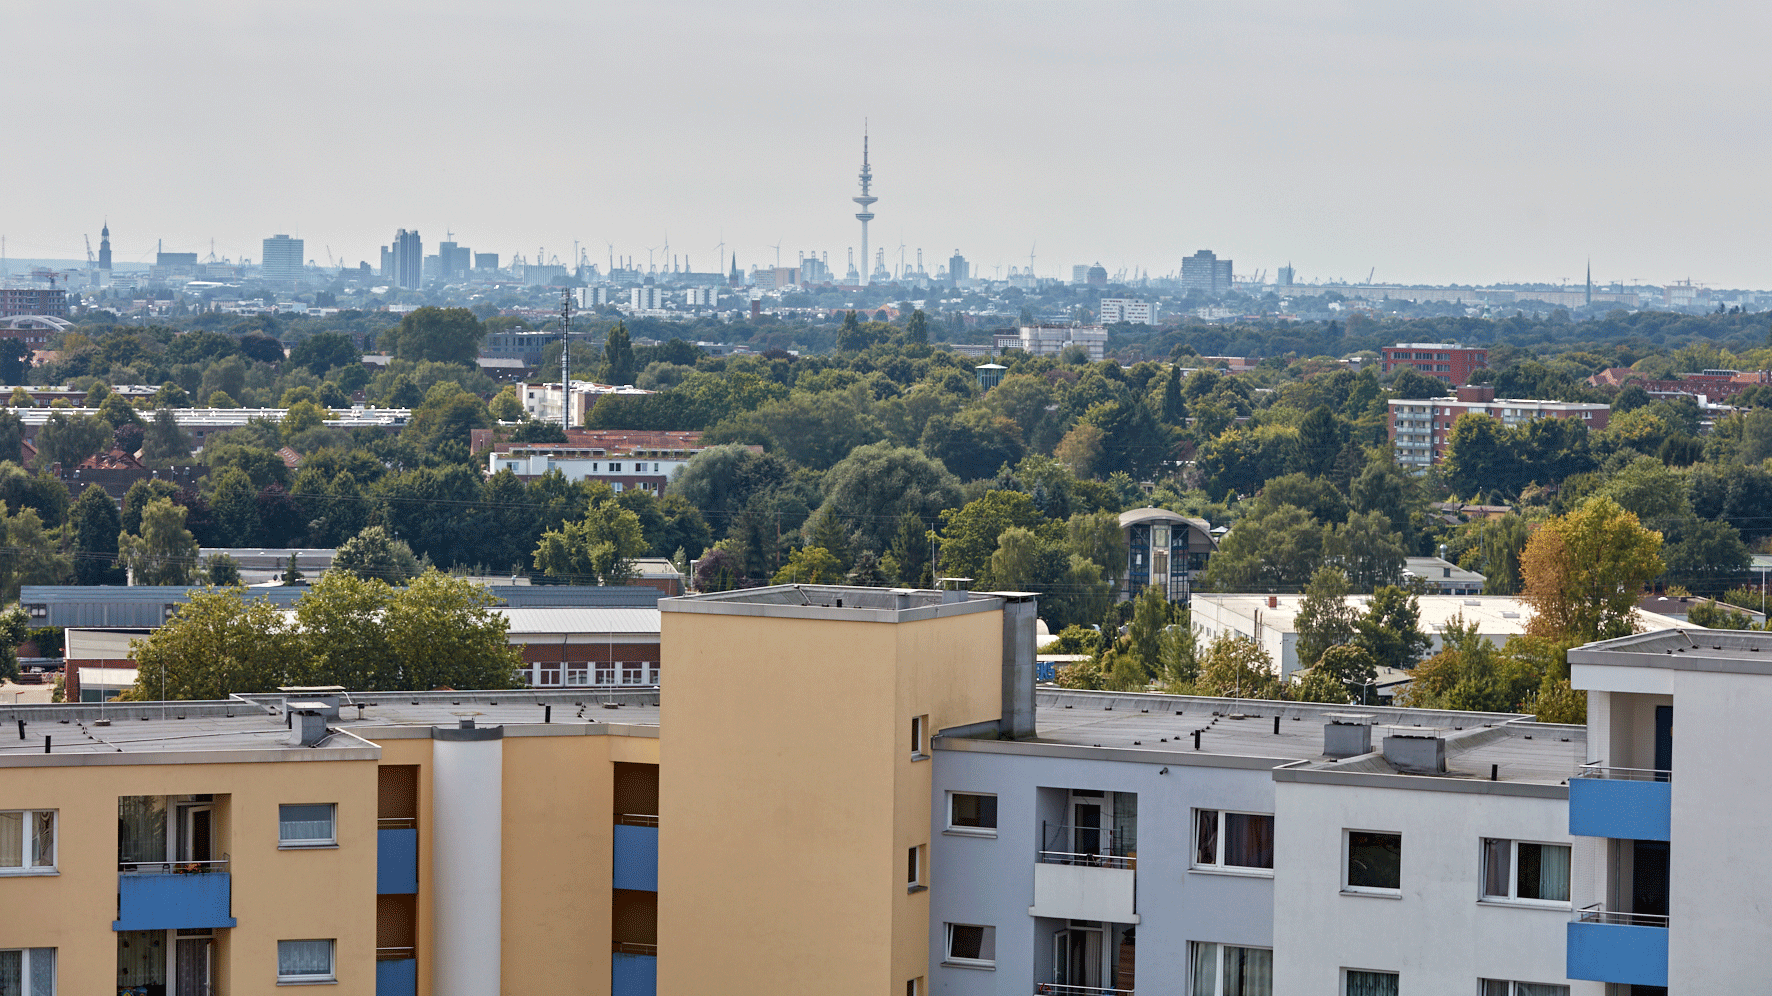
<point x="972" y="946"/>
<point x="27" y="843"/>
<point x="1522" y="871"/>
<point x="633" y="672"/>
<point x="1362" y="983"/>
<point x="972" y="813"/>
<point x="305" y="961"/>
<point x="1374" y="862"/>
<point x="28" y="972"/>
<point x="913" y="987"/>
<point x="1499" y="987"/>
<point x="605" y="672"/>
<point x="307" y="826"/>
<point x="1233" y="840"/>
<point x="914" y="869"/>
<point x="615" y="468"/>
<point x="1241" y="972"/>
<point x="919" y="734"/>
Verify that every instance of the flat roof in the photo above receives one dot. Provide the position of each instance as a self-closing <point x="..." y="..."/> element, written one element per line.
<point x="861" y="604"/>
<point x="1684" y="649"/>
<point x="252" y="723"/>
<point x="1495" y="615"/>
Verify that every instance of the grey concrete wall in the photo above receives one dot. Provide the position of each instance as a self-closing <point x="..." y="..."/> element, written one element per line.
<point x="990" y="880"/>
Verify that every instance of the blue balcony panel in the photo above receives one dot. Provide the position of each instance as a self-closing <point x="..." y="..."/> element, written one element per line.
<point x="165" y="901"/>
<point x="636" y="858"/>
<point x="634" y="975"/>
<point x="1621" y="809"/>
<point x="396" y="862"/>
<point x="1619" y="953"/>
<point x="396" y="977"/>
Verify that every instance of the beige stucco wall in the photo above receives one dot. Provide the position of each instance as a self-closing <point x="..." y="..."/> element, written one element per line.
<point x="277" y="895"/>
<point x="788" y="797"/>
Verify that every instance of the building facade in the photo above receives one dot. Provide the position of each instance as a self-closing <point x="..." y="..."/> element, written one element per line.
<point x="1164" y="549"/>
<point x="1420" y="429"/>
<point x="622" y="458"/>
<point x="404" y="261"/>
<point x="544" y="399"/>
<point x="1205" y="273"/>
<point x="1447" y="361"/>
<point x="283" y="258"/>
<point x="19" y="301"/>
<point x="1126" y="309"/>
<point x="1051" y="340"/>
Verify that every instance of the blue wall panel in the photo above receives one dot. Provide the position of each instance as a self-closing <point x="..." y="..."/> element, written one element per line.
<point x="396" y="862"/>
<point x="636" y="858"/>
<point x="171" y="902"/>
<point x="1626" y="810"/>
<point x="1607" y="952"/>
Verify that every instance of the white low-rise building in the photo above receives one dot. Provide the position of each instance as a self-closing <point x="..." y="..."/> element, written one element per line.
<point x="543" y="400"/>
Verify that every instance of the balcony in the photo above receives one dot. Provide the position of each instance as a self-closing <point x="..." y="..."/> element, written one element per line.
<point x="396" y="972"/>
<point x="1054" y="989"/>
<point x="633" y="969"/>
<point x="173" y="895"/>
<point x="396" y="858"/>
<point x="1085" y="873"/>
<point x="1621" y="803"/>
<point x="1623" y="948"/>
<point x="636" y="852"/>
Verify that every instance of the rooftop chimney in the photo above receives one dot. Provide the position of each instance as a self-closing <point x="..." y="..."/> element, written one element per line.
<point x="308" y="719"/>
<point x="1019" y="622"/>
<point x="1417" y="753"/>
<point x="1477" y="392"/>
<point x="1347" y="734"/>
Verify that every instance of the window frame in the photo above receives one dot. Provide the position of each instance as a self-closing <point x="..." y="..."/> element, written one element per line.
<point x="1218" y="952"/>
<point x="917" y="868"/>
<point x="920" y="737"/>
<point x="27" y="820"/>
<point x="331" y="976"/>
<point x="288" y="844"/>
<point x="1513" y="986"/>
<point x="951" y="960"/>
<point x="24" y="967"/>
<point x="1513" y="876"/>
<point x="966" y="831"/>
<point x="1370" y="971"/>
<point x="1219" y="867"/>
<point x="1349" y="889"/>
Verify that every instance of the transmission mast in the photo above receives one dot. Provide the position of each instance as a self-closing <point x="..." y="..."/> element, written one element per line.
<point x="565" y="359"/>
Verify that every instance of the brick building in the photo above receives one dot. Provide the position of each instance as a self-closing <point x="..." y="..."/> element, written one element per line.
<point x="1421" y="428"/>
<point x="50" y="301"/>
<point x="1449" y="362"/>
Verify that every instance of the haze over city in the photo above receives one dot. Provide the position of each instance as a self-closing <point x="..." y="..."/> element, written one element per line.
<point x="1506" y="143"/>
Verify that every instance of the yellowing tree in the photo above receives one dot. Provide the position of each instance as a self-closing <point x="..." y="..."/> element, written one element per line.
<point x="1585" y="571"/>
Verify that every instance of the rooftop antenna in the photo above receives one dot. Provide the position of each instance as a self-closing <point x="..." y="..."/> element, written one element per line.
<point x="565" y="359"/>
<point x="866" y="200"/>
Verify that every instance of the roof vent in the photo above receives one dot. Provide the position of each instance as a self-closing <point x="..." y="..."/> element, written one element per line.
<point x="1417" y="753"/>
<point x="1347" y="734"/>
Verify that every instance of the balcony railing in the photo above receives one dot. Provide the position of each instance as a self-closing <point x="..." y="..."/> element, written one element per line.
<point x="1599" y="769"/>
<point x="1096" y="847"/>
<point x="1055" y="989"/>
<point x="634" y="948"/>
<point x="1597" y="913"/>
<point x="172" y="867"/>
<point x="635" y="820"/>
<point x="396" y="823"/>
<point x="394" y="954"/>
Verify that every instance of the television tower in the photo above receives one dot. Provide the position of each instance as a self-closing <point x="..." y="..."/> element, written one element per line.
<point x="866" y="200"/>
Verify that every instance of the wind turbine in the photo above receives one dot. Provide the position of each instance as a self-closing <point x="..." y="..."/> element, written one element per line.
<point x="722" y="250"/>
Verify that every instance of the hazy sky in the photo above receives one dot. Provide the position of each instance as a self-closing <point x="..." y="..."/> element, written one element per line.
<point x="1469" y="143"/>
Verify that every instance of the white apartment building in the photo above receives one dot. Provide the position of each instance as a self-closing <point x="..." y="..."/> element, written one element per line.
<point x="1126" y="309"/>
<point x="1050" y="340"/>
<point x="543" y="400"/>
<point x="649" y="298"/>
<point x="1421" y="428"/>
<point x="621" y="458"/>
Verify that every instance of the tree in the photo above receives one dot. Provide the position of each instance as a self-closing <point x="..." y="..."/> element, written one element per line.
<point x="446" y="633"/>
<point x="372" y="553"/>
<point x="221" y="570"/>
<point x="1150" y="618"/>
<point x="618" y="357"/>
<point x="851" y="338"/>
<point x="1350" y="666"/>
<point x="1235" y="665"/>
<point x="235" y="505"/>
<point x="449" y="414"/>
<point x="969" y="534"/>
<point x="1649" y="489"/>
<point x="15" y="359"/>
<point x="507" y="407"/>
<point x="973" y="444"/>
<point x="1478" y="457"/>
<point x="1390" y="631"/>
<point x="1496" y="554"/>
<point x="443" y="335"/>
<point x="302" y="416"/>
<point x="1324" y="619"/>
<point x="718" y="570"/>
<point x="598" y="548"/>
<point x="217" y="643"/>
<point x="164" y="553"/>
<point x="12" y="436"/>
<point x="261" y="348"/>
<point x="1174" y="410"/>
<point x="910" y="548"/>
<point x="138" y="497"/>
<point x="1373" y="555"/>
<point x="1268" y="551"/>
<point x="322" y="351"/>
<point x="810" y="565"/>
<point x="118" y="412"/>
<point x="69" y="439"/>
<point x="916" y="329"/>
<point x="95" y="523"/>
<point x="30" y="554"/>
<point x="1080" y="449"/>
<point x="1319" y="441"/>
<point x="1585" y="571"/>
<point x="1711" y="615"/>
<point x="1099" y="538"/>
<point x="164" y="439"/>
<point x="14" y="630"/>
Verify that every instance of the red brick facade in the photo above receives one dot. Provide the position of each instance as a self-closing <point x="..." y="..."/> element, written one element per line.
<point x="1450" y="363"/>
<point x="555" y="665"/>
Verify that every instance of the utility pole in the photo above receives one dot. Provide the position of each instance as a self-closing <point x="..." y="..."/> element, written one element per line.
<point x="565" y="359"/>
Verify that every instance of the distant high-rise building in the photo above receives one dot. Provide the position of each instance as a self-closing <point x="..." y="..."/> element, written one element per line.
<point x="386" y="272"/>
<point x="283" y="257"/>
<point x="104" y="247"/>
<point x="453" y="260"/>
<point x="486" y="261"/>
<point x="408" y="260"/>
<point x="1080" y="274"/>
<point x="958" y="269"/>
<point x="1286" y="275"/>
<point x="175" y="259"/>
<point x="1126" y="309"/>
<point x="1206" y="273"/>
<point x="1096" y="276"/>
<point x="866" y="200"/>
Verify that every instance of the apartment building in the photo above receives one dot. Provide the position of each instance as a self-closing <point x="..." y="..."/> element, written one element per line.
<point x="622" y="458"/>
<point x="395" y="844"/>
<point x="544" y="399"/>
<point x="1448" y="361"/>
<point x="1126" y="309"/>
<point x="1420" y="429"/>
<point x="51" y="302"/>
<point x="1051" y="340"/>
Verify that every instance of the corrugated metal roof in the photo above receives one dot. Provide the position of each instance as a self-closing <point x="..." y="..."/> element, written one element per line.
<point x="577" y="619"/>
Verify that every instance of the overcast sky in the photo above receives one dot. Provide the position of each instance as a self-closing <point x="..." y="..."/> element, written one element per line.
<point x="1470" y="143"/>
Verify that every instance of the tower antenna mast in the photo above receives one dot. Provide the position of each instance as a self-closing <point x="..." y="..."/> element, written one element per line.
<point x="866" y="200"/>
<point x="565" y="359"/>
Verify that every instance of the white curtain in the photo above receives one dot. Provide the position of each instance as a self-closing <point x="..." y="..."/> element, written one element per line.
<point x="42" y="972"/>
<point x="12" y="840"/>
<point x="1248" y="972"/>
<point x="304" y="958"/>
<point x="305" y="822"/>
<point x="42" y="840"/>
<point x="11" y="973"/>
<point x="1205" y="969"/>
<point x="1553" y="876"/>
<point x="1539" y="989"/>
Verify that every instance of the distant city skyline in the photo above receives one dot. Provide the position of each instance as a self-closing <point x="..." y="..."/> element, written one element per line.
<point x="1503" y="144"/>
